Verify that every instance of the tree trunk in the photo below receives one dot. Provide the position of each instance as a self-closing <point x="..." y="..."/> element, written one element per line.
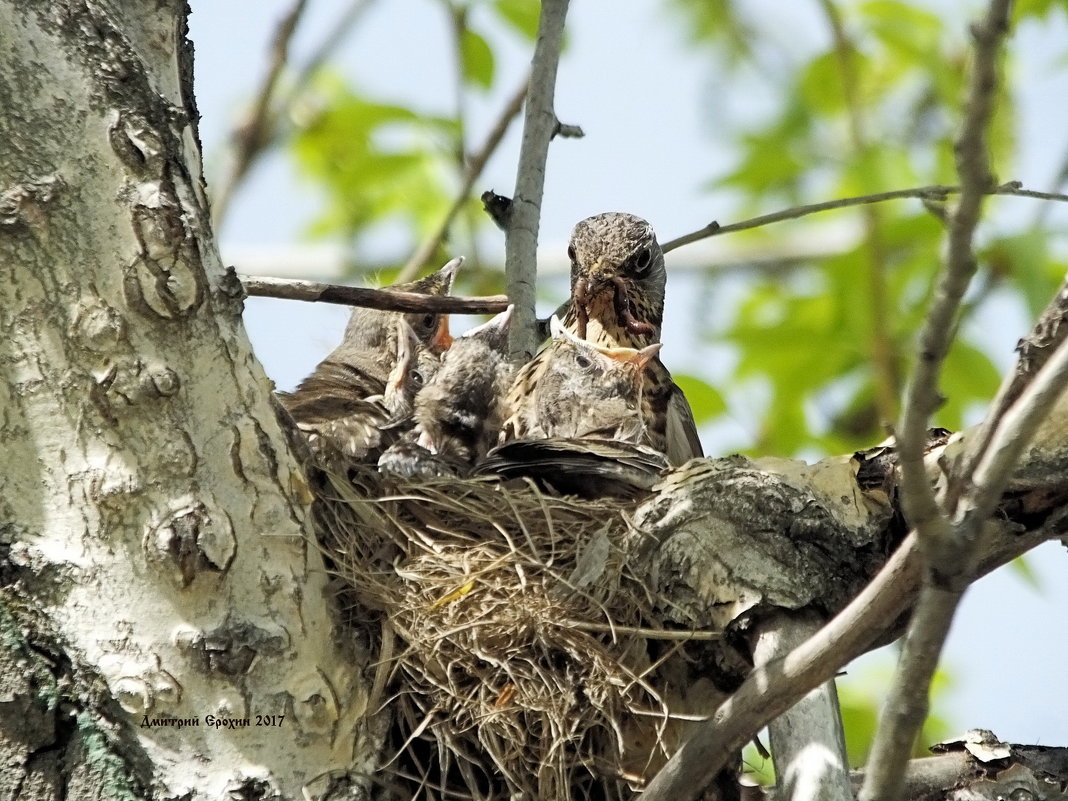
<point x="159" y="590"/>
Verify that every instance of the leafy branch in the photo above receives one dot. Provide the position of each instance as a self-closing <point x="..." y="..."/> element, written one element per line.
<point x="474" y="168"/>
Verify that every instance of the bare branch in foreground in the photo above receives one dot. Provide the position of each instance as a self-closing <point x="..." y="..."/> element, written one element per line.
<point x="947" y="548"/>
<point x="384" y="299"/>
<point x="772" y="689"/>
<point x="1035" y="351"/>
<point x="933" y="193"/>
<point x="539" y="125"/>
<point x="475" y="165"/>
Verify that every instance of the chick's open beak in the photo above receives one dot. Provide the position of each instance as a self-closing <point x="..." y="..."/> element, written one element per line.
<point x="442" y="339"/>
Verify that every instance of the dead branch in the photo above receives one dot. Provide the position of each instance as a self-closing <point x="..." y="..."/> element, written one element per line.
<point x="384" y="299"/>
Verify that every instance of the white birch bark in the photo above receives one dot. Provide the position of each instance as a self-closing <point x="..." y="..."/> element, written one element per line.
<point x="153" y="511"/>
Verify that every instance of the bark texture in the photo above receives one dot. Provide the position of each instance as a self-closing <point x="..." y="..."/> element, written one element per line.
<point x="153" y="519"/>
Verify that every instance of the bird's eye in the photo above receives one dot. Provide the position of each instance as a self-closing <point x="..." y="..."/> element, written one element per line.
<point x="428" y="322"/>
<point x="583" y="362"/>
<point x="640" y="263"/>
<point x="416" y="378"/>
<point x="571" y="252"/>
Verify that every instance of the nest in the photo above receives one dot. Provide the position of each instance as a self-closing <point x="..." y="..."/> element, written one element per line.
<point x="513" y="649"/>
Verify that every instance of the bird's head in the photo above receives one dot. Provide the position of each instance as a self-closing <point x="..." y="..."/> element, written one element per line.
<point x="494" y="332"/>
<point x="433" y="329"/>
<point x="617" y="255"/>
<point x="375" y="330"/>
<point x="586" y="362"/>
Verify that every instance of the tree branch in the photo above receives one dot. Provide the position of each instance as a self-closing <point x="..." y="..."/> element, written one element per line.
<point x="947" y="548"/>
<point x="807" y="740"/>
<point x="773" y="688"/>
<point x="250" y="137"/>
<point x="384" y="299"/>
<point x="929" y="193"/>
<point x="475" y="165"/>
<point x="539" y="125"/>
<point x="253" y="136"/>
<point x="1035" y="350"/>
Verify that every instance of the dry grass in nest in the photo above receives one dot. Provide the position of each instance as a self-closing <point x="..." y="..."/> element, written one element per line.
<point x="511" y="649"/>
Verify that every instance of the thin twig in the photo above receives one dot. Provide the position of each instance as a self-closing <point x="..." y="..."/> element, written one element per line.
<point x="337" y="33"/>
<point x="1014" y="433"/>
<point x="250" y="137"/>
<point x="539" y="125"/>
<point x="253" y="137"/>
<point x="475" y="165"/>
<point x="935" y="192"/>
<point x="947" y="548"/>
<point x="384" y="299"/>
<point x="1035" y="350"/>
<point x="641" y="631"/>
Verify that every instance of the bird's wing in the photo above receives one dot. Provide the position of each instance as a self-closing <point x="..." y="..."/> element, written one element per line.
<point x="683" y="443"/>
<point x="587" y="467"/>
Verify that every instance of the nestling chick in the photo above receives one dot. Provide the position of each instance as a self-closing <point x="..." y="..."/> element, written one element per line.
<point x="584" y="391"/>
<point x="370" y="379"/>
<point x="340" y="424"/>
<point x="457" y="413"/>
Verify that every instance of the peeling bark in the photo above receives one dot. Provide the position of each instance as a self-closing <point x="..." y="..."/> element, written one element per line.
<point x="151" y="511"/>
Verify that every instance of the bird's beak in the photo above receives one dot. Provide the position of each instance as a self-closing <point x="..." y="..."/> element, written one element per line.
<point x="639" y="358"/>
<point x="448" y="273"/>
<point x="442" y="339"/>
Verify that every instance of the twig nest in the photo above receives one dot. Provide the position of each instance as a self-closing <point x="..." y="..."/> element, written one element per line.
<point x="517" y="635"/>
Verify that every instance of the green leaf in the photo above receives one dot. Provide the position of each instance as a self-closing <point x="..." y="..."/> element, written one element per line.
<point x="968" y="377"/>
<point x="1035" y="8"/>
<point x="1021" y="566"/>
<point x="477" y="59"/>
<point x="376" y="162"/>
<point x="906" y="29"/>
<point x="1024" y="259"/>
<point x="521" y="15"/>
<point x="821" y="84"/>
<point x="705" y="400"/>
<point x="720" y="23"/>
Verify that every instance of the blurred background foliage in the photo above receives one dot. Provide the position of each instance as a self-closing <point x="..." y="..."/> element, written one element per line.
<point x="822" y="345"/>
<point x="818" y="345"/>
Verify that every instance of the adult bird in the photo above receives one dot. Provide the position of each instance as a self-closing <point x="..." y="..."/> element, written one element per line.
<point x="617" y="301"/>
<point x="347" y="406"/>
